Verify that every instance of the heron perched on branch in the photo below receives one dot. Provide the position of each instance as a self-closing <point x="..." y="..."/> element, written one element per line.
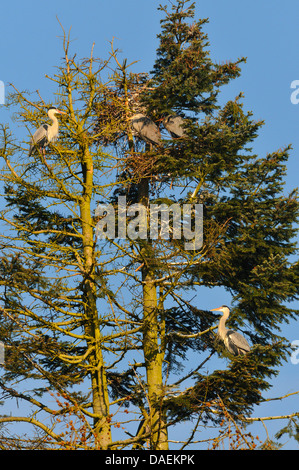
<point x="144" y="128"/>
<point x="46" y="133"/>
<point x="174" y="124"/>
<point x="235" y="343"/>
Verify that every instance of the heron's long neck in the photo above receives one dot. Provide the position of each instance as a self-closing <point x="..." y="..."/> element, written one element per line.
<point x="53" y="129"/>
<point x="221" y="327"/>
<point x="54" y="126"/>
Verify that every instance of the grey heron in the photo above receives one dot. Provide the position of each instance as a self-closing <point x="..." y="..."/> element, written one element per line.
<point x="235" y="343"/>
<point x="174" y="124"/>
<point x="146" y="129"/>
<point x="46" y="133"/>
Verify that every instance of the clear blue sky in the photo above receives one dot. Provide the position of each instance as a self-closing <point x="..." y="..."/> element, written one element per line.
<point x="265" y="31"/>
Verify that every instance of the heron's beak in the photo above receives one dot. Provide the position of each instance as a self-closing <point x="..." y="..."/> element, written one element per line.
<point x="60" y="112"/>
<point x="215" y="309"/>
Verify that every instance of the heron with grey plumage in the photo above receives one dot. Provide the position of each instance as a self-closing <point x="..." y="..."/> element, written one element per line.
<point x="234" y="342"/>
<point x="174" y="124"/>
<point x="46" y="133"/>
<point x="144" y="128"/>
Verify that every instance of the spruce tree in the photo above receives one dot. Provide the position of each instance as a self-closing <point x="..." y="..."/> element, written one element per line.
<point x="106" y="326"/>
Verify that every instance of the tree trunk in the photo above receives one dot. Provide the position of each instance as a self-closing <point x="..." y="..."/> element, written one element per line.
<point x="100" y="399"/>
<point x="153" y="352"/>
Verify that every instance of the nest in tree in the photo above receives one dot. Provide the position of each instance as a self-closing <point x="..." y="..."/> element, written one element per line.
<point x="113" y="108"/>
<point x="111" y="117"/>
<point x="142" y="165"/>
